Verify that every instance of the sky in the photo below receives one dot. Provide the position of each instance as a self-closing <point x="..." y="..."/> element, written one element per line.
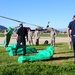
<point x="39" y="12"/>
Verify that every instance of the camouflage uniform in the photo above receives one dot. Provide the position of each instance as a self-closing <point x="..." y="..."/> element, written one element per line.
<point x="37" y="36"/>
<point x="52" y="35"/>
<point x="30" y="37"/>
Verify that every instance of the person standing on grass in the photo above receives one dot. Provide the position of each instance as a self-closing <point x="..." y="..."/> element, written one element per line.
<point x="21" y="33"/>
<point x="30" y="39"/>
<point x="71" y="27"/>
<point x="52" y="35"/>
<point x="6" y="37"/>
<point x="37" y="36"/>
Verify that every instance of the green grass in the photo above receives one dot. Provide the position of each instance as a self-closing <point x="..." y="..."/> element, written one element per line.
<point x="62" y="63"/>
<point x="2" y="35"/>
<point x="58" y="35"/>
<point x="61" y="35"/>
<point x="43" y="35"/>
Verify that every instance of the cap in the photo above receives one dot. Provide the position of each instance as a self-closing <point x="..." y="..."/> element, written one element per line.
<point x="21" y="25"/>
<point x="74" y="16"/>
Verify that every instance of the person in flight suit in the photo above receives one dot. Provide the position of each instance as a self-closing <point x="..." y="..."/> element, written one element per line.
<point x="71" y="38"/>
<point x="52" y="35"/>
<point x="30" y="39"/>
<point x="21" y="33"/>
<point x="37" y="36"/>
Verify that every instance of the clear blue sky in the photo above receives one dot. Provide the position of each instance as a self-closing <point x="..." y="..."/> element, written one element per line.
<point x="39" y="12"/>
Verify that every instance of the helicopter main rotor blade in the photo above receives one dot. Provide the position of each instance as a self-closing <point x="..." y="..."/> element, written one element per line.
<point x="12" y="19"/>
<point x="33" y="24"/>
<point x="19" y="21"/>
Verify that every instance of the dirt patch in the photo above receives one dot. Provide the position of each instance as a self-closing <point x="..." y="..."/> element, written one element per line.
<point x="42" y="40"/>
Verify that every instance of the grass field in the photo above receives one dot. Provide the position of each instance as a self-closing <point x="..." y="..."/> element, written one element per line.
<point x="58" y="35"/>
<point x="43" y="35"/>
<point x="1" y="35"/>
<point x="62" y="55"/>
<point x="60" y="64"/>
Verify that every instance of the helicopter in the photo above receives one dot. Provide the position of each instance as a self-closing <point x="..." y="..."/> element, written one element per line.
<point x="21" y="22"/>
<point x="40" y="28"/>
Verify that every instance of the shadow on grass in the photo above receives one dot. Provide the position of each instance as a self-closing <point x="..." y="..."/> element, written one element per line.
<point x="64" y="52"/>
<point x="60" y="44"/>
<point x="41" y="46"/>
<point x="59" y="58"/>
<point x="41" y="49"/>
<point x="62" y="58"/>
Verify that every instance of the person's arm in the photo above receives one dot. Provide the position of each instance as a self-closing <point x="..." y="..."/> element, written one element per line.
<point x="55" y="33"/>
<point x="38" y="34"/>
<point x="34" y="34"/>
<point x="5" y="32"/>
<point x="17" y="37"/>
<point x="17" y="33"/>
<point x="27" y="37"/>
<point x="68" y="32"/>
<point x="27" y="34"/>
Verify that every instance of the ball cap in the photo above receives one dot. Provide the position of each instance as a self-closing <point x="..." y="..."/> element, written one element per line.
<point x="21" y="25"/>
<point x="74" y="16"/>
